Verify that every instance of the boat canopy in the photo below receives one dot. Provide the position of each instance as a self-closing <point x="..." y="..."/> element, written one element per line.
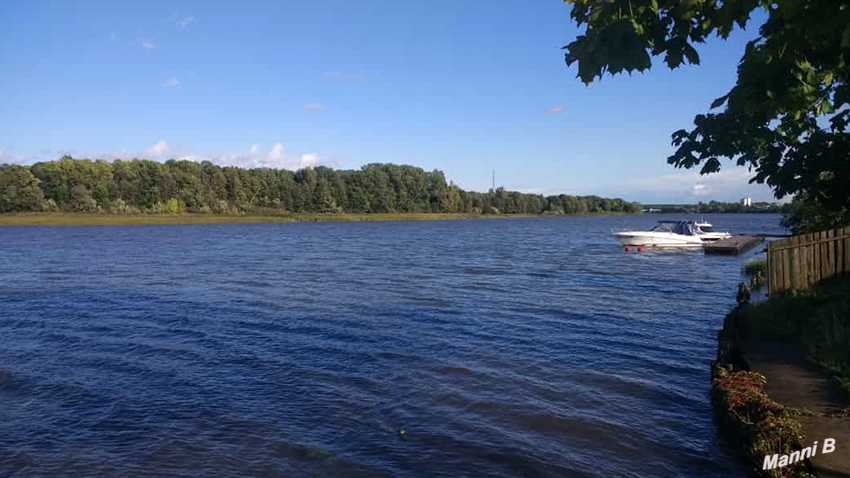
<point x="685" y="228"/>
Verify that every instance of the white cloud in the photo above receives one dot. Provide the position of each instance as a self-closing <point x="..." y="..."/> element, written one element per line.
<point x="529" y="190"/>
<point x="8" y="157"/>
<point x="158" y="151"/>
<point x="729" y="184"/>
<point x="148" y="44"/>
<point x="313" y="107"/>
<point x="74" y="153"/>
<point x="170" y="83"/>
<point x="309" y="160"/>
<point x="351" y="75"/>
<point x="182" y="20"/>
<point x="275" y="157"/>
<point x="254" y="157"/>
<point x="700" y="190"/>
<point x="556" y="110"/>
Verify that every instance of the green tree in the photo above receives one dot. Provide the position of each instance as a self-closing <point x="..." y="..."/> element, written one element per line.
<point x="786" y="117"/>
<point x="53" y="181"/>
<point x="173" y="187"/>
<point x="19" y="190"/>
<point x="81" y="200"/>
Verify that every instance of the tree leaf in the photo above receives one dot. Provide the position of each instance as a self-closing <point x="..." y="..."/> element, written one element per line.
<point x="719" y="101"/>
<point x="691" y="54"/>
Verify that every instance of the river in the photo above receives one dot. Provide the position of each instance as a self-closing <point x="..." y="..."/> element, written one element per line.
<point x="501" y="347"/>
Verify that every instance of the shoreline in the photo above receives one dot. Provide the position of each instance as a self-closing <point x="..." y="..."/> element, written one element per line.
<point x="73" y="219"/>
<point x="775" y="394"/>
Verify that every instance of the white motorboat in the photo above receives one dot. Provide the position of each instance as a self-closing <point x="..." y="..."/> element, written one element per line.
<point x="665" y="234"/>
<point x="708" y="234"/>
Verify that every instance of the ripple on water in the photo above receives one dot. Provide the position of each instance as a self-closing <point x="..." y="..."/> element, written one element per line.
<point x="529" y="347"/>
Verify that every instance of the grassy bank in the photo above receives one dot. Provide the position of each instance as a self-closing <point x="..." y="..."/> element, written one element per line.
<point x="817" y="320"/>
<point x="67" y="219"/>
<point x="755" y="423"/>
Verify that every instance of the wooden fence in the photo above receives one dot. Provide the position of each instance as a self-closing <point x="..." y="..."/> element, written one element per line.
<point x="799" y="262"/>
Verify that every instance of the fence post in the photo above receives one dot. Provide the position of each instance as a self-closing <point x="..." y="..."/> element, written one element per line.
<point x="810" y="259"/>
<point x="830" y="252"/>
<point x="771" y="276"/>
<point x="796" y="271"/>
<point x="817" y="263"/>
<point x="847" y="250"/>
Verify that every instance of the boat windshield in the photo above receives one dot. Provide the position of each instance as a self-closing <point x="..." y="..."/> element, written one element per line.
<point x="663" y="227"/>
<point x="706" y="229"/>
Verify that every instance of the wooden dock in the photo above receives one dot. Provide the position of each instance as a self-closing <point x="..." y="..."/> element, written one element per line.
<point x="733" y="245"/>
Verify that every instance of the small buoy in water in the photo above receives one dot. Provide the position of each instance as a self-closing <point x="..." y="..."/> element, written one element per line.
<point x="628" y="249"/>
<point x="401" y="433"/>
<point x="640" y="249"/>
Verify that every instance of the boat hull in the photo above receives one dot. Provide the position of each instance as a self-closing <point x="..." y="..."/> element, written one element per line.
<point x="659" y="240"/>
<point x="714" y="236"/>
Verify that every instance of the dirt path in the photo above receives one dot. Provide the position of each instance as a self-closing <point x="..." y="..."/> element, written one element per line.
<point x="795" y="382"/>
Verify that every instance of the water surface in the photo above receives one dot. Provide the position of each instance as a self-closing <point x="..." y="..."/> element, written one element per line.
<point x="504" y="348"/>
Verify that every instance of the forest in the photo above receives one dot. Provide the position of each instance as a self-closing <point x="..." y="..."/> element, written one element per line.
<point x="177" y="186"/>
<point x="721" y="207"/>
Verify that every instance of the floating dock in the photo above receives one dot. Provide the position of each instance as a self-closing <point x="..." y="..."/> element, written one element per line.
<point x="733" y="245"/>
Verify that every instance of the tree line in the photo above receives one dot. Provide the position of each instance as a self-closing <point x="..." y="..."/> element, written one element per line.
<point x="721" y="207"/>
<point x="177" y="186"/>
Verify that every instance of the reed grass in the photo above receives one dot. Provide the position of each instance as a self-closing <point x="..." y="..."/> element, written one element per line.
<point x="753" y="266"/>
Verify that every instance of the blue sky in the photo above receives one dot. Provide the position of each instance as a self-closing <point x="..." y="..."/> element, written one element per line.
<point x="464" y="86"/>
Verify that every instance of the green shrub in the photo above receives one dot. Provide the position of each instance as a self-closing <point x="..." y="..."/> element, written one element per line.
<point x="818" y="320"/>
<point x="172" y="206"/>
<point x="762" y="426"/>
<point x="119" y="206"/>
<point x="753" y="266"/>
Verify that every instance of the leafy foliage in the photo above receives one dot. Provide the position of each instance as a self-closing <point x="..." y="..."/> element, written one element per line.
<point x="809" y="215"/>
<point x="19" y="190"/>
<point x="817" y="320"/>
<point x="762" y="425"/>
<point x="754" y="266"/>
<point x="786" y="117"/>
<point x="173" y="187"/>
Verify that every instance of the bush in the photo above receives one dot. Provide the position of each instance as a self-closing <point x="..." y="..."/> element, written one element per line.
<point x="120" y="207"/>
<point x="172" y="206"/>
<point x="763" y="426"/>
<point x="82" y="200"/>
<point x="221" y="207"/>
<point x="49" y="205"/>
<point x="753" y="266"/>
<point x="818" y="320"/>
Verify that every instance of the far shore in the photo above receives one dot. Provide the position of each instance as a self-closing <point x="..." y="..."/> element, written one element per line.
<point x="72" y="219"/>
